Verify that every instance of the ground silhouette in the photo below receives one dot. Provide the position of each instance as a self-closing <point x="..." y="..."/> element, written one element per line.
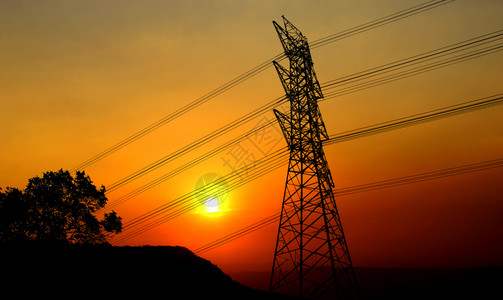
<point x="174" y="272"/>
<point x="104" y="271"/>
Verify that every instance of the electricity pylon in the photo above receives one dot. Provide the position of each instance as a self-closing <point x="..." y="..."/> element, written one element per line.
<point x="311" y="258"/>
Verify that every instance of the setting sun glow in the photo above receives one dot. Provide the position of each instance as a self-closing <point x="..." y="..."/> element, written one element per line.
<point x="212" y="205"/>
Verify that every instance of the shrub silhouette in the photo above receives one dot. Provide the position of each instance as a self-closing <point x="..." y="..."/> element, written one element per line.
<point x="56" y="208"/>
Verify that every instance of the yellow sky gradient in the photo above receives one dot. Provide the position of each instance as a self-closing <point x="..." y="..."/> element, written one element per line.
<point x="77" y="77"/>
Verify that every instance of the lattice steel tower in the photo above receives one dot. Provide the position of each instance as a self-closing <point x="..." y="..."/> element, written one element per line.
<point x="311" y="258"/>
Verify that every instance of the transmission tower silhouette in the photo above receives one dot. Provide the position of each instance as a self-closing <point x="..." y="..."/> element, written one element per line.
<point x="311" y="259"/>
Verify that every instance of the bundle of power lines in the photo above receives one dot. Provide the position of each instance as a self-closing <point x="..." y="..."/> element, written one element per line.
<point x="254" y="71"/>
<point x="276" y="159"/>
<point x="428" y="61"/>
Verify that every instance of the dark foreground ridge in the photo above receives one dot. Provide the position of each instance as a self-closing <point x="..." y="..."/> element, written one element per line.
<point x="148" y="272"/>
<point x="167" y="272"/>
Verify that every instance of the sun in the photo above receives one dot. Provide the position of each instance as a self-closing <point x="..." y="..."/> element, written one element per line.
<point x="212" y="205"/>
<point x="211" y="191"/>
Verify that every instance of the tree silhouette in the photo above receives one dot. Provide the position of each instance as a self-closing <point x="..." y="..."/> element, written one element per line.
<point x="56" y="208"/>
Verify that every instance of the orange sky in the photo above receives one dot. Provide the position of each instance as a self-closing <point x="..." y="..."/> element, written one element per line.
<point x="80" y="76"/>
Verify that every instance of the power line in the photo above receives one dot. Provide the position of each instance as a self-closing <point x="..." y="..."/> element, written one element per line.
<point x="194" y="145"/>
<point x="172" y="116"/>
<point x="418" y="70"/>
<point x="372" y="79"/>
<point x="231" y="179"/>
<point x="236" y="180"/>
<point x="420" y="58"/>
<point x="333" y="140"/>
<point x="399" y="123"/>
<point x="379" y="22"/>
<point x="254" y="71"/>
<point x="277" y="158"/>
<point x="492" y="49"/>
<point x="276" y="155"/>
<point x="330" y="85"/>
<point x="188" y="165"/>
<point x="438" y="174"/>
<point x="416" y="119"/>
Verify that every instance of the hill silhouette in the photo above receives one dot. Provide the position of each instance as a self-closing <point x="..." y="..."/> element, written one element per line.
<point x="174" y="272"/>
<point x="106" y="271"/>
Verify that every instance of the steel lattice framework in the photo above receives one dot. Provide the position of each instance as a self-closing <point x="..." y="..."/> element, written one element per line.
<point x="311" y="259"/>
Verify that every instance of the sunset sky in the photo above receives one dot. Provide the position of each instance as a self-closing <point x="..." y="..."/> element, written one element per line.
<point x="77" y="77"/>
